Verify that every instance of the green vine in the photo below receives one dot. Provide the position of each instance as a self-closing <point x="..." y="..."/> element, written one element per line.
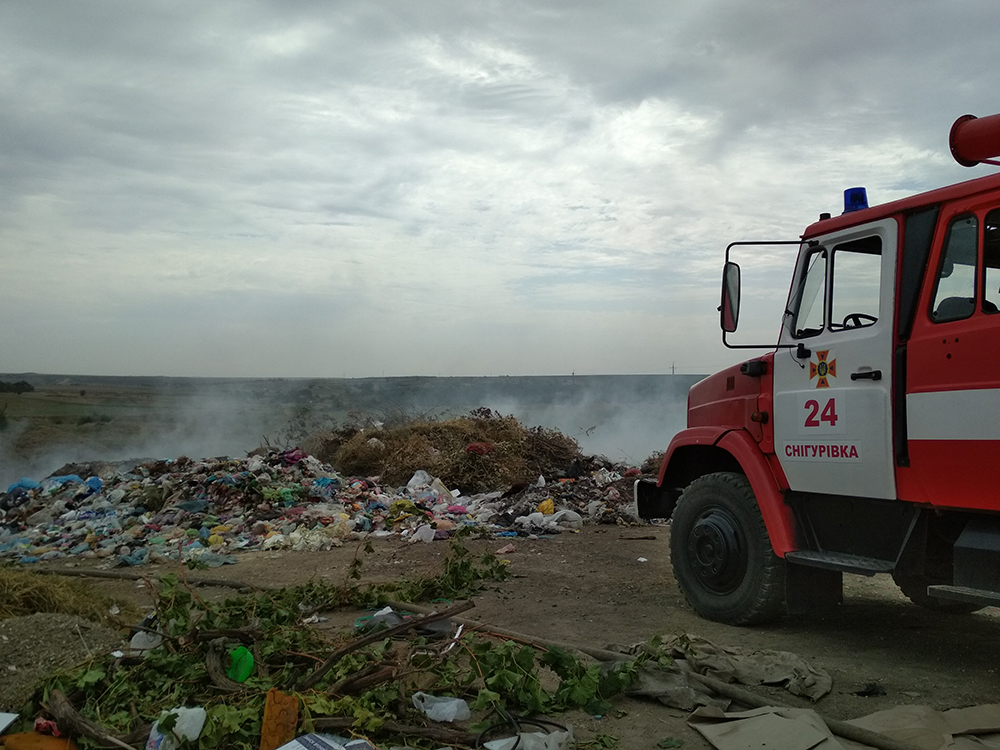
<point x="123" y="694"/>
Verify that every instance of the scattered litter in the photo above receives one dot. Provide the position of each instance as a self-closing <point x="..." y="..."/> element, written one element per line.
<point x="327" y="742"/>
<point x="441" y="708"/>
<point x="506" y="550"/>
<point x="185" y="724"/>
<point x="643" y="559"/>
<point x="6" y="720"/>
<point x="203" y="511"/>
<point x="559" y="740"/>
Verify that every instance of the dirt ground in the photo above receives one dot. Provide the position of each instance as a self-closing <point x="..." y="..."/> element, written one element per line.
<point x="593" y="588"/>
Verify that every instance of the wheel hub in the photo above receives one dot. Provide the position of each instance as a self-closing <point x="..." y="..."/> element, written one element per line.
<point x="716" y="551"/>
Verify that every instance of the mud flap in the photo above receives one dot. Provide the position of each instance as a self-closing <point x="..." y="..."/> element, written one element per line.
<point x="809" y="589"/>
<point x="652" y="501"/>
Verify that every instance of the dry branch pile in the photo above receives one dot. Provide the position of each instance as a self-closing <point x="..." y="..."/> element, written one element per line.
<point x="476" y="453"/>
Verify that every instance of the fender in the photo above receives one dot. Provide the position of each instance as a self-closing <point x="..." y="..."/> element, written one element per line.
<point x="702" y="450"/>
<point x="778" y="516"/>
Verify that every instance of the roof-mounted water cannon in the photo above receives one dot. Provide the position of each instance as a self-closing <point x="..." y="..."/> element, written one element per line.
<point x="975" y="139"/>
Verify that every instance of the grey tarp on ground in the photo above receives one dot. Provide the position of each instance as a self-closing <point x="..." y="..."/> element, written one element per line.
<point x="746" y="666"/>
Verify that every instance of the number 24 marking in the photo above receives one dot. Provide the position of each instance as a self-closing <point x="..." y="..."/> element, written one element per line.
<point x="828" y="415"/>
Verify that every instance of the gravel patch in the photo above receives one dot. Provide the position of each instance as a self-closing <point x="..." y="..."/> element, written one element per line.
<point x="35" y="646"/>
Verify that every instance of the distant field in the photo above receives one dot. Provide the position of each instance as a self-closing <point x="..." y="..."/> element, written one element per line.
<point x="82" y="418"/>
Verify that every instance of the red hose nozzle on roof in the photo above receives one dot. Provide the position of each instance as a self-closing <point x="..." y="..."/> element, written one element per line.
<point x="975" y="139"/>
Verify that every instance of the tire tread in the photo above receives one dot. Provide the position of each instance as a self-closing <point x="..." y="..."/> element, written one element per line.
<point x="768" y="600"/>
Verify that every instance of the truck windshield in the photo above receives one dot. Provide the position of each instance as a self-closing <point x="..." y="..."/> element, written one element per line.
<point x="809" y="314"/>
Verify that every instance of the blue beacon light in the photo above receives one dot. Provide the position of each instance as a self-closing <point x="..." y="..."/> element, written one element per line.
<point x="855" y="199"/>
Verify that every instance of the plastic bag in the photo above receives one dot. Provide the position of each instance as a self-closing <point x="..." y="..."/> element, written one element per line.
<point x="424" y="533"/>
<point x="419" y="478"/>
<point x="188" y="726"/>
<point x="441" y="708"/>
<point x="534" y="741"/>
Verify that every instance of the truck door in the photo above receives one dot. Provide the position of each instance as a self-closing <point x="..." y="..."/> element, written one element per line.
<point x="832" y="386"/>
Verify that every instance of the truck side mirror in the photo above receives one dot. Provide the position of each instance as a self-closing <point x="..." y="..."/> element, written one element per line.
<point x="730" y="308"/>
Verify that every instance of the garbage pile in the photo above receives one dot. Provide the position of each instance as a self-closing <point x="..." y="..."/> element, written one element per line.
<point x="207" y="510"/>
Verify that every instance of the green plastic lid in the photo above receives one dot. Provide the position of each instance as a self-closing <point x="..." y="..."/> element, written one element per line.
<point x="241" y="664"/>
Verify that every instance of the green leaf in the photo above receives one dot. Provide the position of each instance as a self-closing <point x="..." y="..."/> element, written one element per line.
<point x="670" y="742"/>
<point x="90" y="677"/>
<point x="486" y="699"/>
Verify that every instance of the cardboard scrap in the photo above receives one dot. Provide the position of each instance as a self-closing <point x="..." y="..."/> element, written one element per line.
<point x="773" y="728"/>
<point x="281" y="717"/>
<point x="973" y="728"/>
<point x="36" y="741"/>
<point x="923" y="727"/>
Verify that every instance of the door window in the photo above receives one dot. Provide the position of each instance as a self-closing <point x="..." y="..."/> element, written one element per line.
<point x="857" y="280"/>
<point x="955" y="290"/>
<point x="855" y="272"/>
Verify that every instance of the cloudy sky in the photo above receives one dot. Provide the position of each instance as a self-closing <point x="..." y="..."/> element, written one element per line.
<point x="306" y="188"/>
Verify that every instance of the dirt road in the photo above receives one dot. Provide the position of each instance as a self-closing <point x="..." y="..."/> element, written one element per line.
<point x="591" y="588"/>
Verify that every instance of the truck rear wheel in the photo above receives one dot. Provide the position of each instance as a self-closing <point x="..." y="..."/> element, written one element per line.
<point x="721" y="553"/>
<point x="914" y="588"/>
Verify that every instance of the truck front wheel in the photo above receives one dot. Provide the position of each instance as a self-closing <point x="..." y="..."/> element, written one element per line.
<point x="721" y="553"/>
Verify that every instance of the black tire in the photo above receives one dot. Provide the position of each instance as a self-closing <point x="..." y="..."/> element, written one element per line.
<point x="914" y="588"/>
<point x="722" y="555"/>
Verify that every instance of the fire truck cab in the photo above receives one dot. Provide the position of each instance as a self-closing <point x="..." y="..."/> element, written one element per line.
<point x="865" y="441"/>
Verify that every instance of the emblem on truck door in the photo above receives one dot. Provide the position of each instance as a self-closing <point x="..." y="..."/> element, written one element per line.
<point x="821" y="369"/>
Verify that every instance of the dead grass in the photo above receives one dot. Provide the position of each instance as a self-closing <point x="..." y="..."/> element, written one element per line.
<point x="25" y="593"/>
<point x="514" y="453"/>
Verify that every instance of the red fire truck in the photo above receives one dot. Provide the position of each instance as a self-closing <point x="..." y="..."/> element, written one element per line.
<point x="864" y="442"/>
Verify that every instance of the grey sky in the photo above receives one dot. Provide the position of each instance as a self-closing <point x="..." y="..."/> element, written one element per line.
<point x="356" y="188"/>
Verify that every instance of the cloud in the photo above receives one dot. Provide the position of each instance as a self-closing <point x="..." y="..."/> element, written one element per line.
<point x="412" y="180"/>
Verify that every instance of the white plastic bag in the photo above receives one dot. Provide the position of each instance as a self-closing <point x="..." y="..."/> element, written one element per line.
<point x="190" y="722"/>
<point x="420" y="477"/>
<point x="424" y="533"/>
<point x="441" y="708"/>
<point x="534" y="741"/>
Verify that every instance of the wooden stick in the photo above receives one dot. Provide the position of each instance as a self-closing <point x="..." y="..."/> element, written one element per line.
<point x="738" y="694"/>
<point x="72" y="723"/>
<point x="381" y="635"/>
<point x="364" y="679"/>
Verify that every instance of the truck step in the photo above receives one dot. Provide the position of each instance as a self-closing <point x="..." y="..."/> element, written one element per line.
<point x="965" y="594"/>
<point x="866" y="566"/>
